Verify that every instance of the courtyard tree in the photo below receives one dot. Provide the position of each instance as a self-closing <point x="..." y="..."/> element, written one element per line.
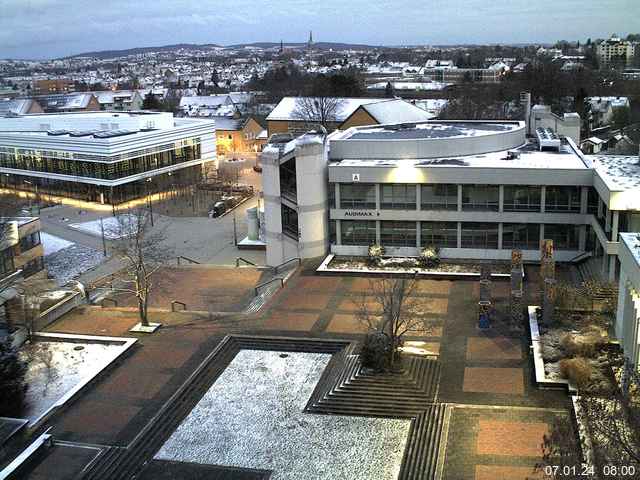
<point x="140" y="249"/>
<point x="390" y="310"/>
<point x="12" y="381"/>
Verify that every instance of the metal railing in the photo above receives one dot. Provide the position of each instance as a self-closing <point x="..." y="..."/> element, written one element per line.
<point x="240" y="259"/>
<point x="296" y="259"/>
<point x="190" y="260"/>
<point x="277" y="279"/>
<point x="176" y="302"/>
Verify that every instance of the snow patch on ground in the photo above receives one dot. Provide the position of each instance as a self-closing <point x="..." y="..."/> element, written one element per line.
<point x="53" y="244"/>
<point x="112" y="230"/>
<point x="57" y="367"/>
<point x="66" y="264"/>
<point x="252" y="417"/>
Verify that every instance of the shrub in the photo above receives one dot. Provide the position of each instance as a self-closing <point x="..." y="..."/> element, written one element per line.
<point x="12" y="381"/>
<point x="375" y="351"/>
<point x="578" y="370"/>
<point x="429" y="257"/>
<point x="586" y="343"/>
<point x="375" y="255"/>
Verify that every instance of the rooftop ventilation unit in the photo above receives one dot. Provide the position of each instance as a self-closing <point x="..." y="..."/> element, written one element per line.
<point x="114" y="133"/>
<point x="82" y="133"/>
<point x="513" y="155"/>
<point x="547" y="138"/>
<point x="56" y="133"/>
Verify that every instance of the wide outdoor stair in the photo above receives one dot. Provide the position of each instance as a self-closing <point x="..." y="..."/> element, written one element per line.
<point x="420" y="460"/>
<point x="130" y="461"/>
<point x="108" y="456"/>
<point x="591" y="269"/>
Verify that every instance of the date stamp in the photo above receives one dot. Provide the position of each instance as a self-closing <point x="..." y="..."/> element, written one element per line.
<point x="586" y="471"/>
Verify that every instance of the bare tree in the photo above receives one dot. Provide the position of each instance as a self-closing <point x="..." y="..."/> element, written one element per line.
<point x="318" y="110"/>
<point x="142" y="252"/>
<point x="391" y="308"/>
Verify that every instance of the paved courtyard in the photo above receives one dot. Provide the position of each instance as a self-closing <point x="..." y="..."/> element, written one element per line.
<point x="497" y="415"/>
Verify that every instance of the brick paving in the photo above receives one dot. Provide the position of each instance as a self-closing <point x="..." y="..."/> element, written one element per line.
<point x="488" y="370"/>
<point x="493" y="380"/>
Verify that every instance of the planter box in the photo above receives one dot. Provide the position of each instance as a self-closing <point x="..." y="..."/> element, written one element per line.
<point x="536" y="348"/>
<point x="325" y="269"/>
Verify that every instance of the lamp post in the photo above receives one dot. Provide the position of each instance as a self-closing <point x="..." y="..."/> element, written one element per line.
<point x="150" y="203"/>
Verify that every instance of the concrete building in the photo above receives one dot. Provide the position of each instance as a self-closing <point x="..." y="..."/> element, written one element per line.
<point x="616" y="51"/>
<point x="103" y="158"/>
<point x="541" y="116"/>
<point x="19" y="106"/>
<point x="238" y="135"/>
<point x="628" y="315"/>
<point x="53" y="86"/>
<point x="119" y="100"/>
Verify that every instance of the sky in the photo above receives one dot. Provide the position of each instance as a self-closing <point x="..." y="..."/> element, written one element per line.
<point x="40" y="29"/>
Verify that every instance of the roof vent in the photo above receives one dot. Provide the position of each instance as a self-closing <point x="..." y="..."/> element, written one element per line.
<point x="513" y="154"/>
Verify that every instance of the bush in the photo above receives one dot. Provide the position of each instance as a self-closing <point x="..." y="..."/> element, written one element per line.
<point x="375" y="255"/>
<point x="586" y="343"/>
<point x="375" y="351"/>
<point x="12" y="381"/>
<point x="578" y="370"/>
<point x="429" y="257"/>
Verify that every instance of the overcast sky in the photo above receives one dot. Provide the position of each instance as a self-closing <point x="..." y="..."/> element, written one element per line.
<point x="54" y="28"/>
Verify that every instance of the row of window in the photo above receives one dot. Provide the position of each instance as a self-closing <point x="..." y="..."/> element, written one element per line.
<point x="445" y="197"/>
<point x="478" y="235"/>
<point x="108" y="171"/>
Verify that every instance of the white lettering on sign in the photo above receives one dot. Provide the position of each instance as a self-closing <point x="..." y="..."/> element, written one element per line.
<point x="355" y="177"/>
<point x="359" y="213"/>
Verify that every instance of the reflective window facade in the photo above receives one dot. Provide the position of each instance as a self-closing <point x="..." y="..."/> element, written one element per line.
<point x="358" y="195"/>
<point x="439" y="234"/>
<point x="562" y="199"/>
<point x="439" y="197"/>
<point x="523" y="236"/>
<point x="565" y="237"/>
<point x="480" y="235"/>
<point x="481" y="197"/>
<point x="522" y="198"/>
<point x="358" y="232"/>
<point x="398" y="234"/>
<point x="398" y="197"/>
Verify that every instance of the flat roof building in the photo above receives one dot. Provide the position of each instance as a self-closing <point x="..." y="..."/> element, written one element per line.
<point x="103" y="157"/>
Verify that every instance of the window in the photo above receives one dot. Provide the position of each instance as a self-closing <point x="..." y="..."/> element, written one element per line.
<point x="6" y="261"/>
<point x="439" y="197"/>
<point x="356" y="195"/>
<point x="592" y="201"/>
<point x="524" y="236"/>
<point x="288" y="185"/>
<point x="29" y="241"/>
<point x="289" y="222"/>
<point x="439" y="234"/>
<point x="358" y="232"/>
<point x="480" y="235"/>
<point x="398" y="234"/>
<point x="565" y="237"/>
<point x="522" y="198"/>
<point x="33" y="266"/>
<point x="331" y="195"/>
<point x="332" y="232"/>
<point x="480" y="197"/>
<point x="398" y="197"/>
<point x="562" y="199"/>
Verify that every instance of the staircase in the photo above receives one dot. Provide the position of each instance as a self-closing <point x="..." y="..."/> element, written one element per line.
<point x="591" y="269"/>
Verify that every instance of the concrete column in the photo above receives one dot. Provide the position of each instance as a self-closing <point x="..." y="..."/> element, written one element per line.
<point x="377" y="196"/>
<point x="418" y="197"/>
<point x="418" y="235"/>
<point x="584" y="199"/>
<point x="607" y="224"/>
<point x="543" y="198"/>
<point x="612" y="267"/>
<point x="623" y="304"/>
<point x="459" y="230"/>
<point x="500" y="201"/>
<point x="614" y="225"/>
<point x="603" y="267"/>
<point x="541" y="234"/>
<point x="600" y="204"/>
<point x="582" y="239"/>
<point x="337" y="194"/>
<point x="378" y="232"/>
<point x="459" y="200"/>
<point x="338" y="233"/>
<point x="500" y="236"/>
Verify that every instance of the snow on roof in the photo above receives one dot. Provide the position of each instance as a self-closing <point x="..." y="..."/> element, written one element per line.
<point x="431" y="130"/>
<point x="410" y="86"/>
<point x="18" y="106"/>
<point x="286" y="109"/>
<point x="530" y="157"/>
<point x="619" y="172"/>
<point x="397" y="111"/>
<point x="633" y="243"/>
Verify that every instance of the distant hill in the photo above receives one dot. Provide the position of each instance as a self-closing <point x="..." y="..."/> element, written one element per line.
<point x="137" y="51"/>
<point x="168" y="48"/>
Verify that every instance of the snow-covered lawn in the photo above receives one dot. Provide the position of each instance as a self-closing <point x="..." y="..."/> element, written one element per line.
<point x="52" y="244"/>
<point x="57" y="367"/>
<point x="253" y="417"/>
<point x="112" y="230"/>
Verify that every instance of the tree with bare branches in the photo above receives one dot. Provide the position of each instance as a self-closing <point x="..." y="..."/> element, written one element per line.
<point x="390" y="309"/>
<point x="140" y="248"/>
<point x="318" y="110"/>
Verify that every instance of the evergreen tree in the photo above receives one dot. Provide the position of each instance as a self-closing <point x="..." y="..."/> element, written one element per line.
<point x="12" y="381"/>
<point x="388" y="90"/>
<point x="150" y="102"/>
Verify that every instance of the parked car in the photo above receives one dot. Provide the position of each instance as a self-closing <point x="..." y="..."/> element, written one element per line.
<point x="218" y="209"/>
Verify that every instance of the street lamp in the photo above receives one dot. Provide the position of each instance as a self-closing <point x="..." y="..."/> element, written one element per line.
<point x="150" y="203"/>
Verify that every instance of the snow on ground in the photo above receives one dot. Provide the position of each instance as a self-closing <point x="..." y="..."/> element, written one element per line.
<point x="68" y="263"/>
<point x="112" y="230"/>
<point x="56" y="367"/>
<point x="52" y="244"/>
<point x="253" y="417"/>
